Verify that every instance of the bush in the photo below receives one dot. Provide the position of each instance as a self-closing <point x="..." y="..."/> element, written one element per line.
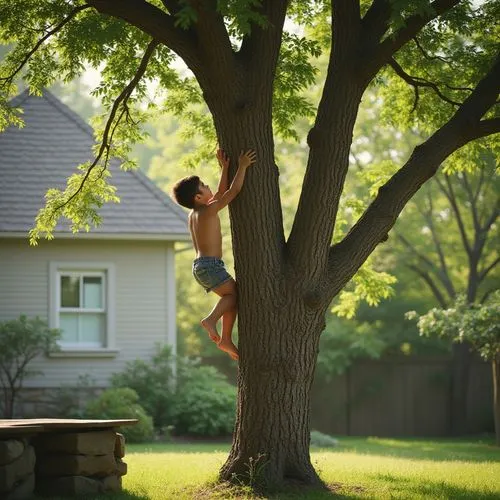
<point x="21" y="340"/>
<point x="119" y="404"/>
<point x="70" y="401"/>
<point x="323" y="440"/>
<point x="154" y="384"/>
<point x="205" y="403"/>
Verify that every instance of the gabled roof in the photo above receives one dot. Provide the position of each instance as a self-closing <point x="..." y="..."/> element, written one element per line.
<point x="47" y="150"/>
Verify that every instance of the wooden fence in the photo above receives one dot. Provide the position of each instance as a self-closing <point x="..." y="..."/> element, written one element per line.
<point x="399" y="397"/>
<point x="404" y="396"/>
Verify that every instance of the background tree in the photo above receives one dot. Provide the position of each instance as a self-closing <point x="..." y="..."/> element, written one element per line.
<point x="449" y="238"/>
<point x="250" y="71"/>
<point x="476" y="324"/>
<point x="21" y="340"/>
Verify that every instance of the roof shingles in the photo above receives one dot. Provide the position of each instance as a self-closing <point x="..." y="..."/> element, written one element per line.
<point x="46" y="151"/>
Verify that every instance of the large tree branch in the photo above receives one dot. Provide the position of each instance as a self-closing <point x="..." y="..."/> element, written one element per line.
<point x="214" y="45"/>
<point x="173" y="6"/>
<point x="157" y="23"/>
<point x="376" y="22"/>
<point x="485" y="127"/>
<point x="328" y="160"/>
<point x="260" y="48"/>
<point x="347" y="256"/>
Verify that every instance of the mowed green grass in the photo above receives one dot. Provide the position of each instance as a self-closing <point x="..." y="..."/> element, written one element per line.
<point x="358" y="468"/>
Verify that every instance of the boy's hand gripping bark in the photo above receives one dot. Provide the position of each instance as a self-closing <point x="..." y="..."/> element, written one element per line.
<point x="221" y="200"/>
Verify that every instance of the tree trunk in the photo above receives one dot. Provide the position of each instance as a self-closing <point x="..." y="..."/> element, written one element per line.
<point x="496" y="395"/>
<point x="278" y="347"/>
<point x="278" y="334"/>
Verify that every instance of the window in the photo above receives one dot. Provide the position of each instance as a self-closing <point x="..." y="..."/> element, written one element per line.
<point x="82" y="305"/>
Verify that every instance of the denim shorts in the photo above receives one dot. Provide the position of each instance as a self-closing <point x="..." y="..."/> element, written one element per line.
<point x="210" y="272"/>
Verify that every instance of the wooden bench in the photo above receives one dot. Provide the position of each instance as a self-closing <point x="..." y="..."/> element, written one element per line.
<point x="61" y="457"/>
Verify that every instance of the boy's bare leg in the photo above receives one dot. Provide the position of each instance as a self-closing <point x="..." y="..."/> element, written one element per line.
<point x="226" y="344"/>
<point x="226" y="302"/>
<point x="225" y="307"/>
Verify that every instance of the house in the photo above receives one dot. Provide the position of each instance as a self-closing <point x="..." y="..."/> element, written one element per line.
<point x="111" y="290"/>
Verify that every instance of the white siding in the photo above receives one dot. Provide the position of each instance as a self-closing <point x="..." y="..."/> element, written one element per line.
<point x="141" y="300"/>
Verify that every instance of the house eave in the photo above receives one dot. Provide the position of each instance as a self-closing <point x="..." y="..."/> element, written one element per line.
<point x="105" y="236"/>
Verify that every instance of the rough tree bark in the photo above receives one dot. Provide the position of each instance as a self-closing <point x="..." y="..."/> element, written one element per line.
<point x="285" y="287"/>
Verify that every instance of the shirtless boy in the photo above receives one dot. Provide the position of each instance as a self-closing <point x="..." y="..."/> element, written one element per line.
<point x="204" y="225"/>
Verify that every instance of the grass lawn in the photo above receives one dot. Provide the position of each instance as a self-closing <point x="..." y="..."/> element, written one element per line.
<point x="358" y="468"/>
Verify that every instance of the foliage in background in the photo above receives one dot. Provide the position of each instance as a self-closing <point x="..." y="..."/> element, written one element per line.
<point x="478" y="324"/>
<point x="21" y="340"/>
<point x="199" y="401"/>
<point x="322" y="440"/>
<point x="344" y="341"/>
<point x="153" y="381"/>
<point x="205" y="403"/>
<point x="123" y="403"/>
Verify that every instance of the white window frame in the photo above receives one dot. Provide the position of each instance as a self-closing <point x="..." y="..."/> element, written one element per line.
<point x="106" y="270"/>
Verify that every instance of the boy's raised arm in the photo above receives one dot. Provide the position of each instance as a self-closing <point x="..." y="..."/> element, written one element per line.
<point x="244" y="161"/>
<point x="223" y="183"/>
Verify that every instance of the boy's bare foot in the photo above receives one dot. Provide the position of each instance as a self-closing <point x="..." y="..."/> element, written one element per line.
<point x="211" y="328"/>
<point x="230" y="348"/>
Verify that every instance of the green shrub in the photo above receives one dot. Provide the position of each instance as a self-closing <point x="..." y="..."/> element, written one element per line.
<point x="123" y="403"/>
<point x="205" y="403"/>
<point x="21" y="340"/>
<point x="153" y="382"/>
<point x="323" y="440"/>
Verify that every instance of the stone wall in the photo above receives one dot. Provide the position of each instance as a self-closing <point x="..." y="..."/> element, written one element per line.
<point x="54" y="402"/>
<point x="79" y="463"/>
<point x="56" y="457"/>
<point x="17" y="468"/>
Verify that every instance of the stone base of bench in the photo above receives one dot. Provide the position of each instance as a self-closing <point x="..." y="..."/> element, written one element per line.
<point x="52" y="457"/>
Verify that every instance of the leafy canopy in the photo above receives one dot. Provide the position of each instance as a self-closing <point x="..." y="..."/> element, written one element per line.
<point x="57" y="39"/>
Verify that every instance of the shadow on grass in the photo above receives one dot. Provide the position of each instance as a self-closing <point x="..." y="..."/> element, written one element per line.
<point x="422" y="449"/>
<point x="224" y="491"/>
<point x="122" y="495"/>
<point x="395" y="486"/>
<point x="408" y="488"/>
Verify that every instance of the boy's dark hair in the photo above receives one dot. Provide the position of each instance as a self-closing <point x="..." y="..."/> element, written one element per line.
<point x="185" y="190"/>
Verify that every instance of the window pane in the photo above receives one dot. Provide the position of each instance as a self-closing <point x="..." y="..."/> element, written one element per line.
<point x="69" y="325"/>
<point x="70" y="291"/>
<point x="92" y="292"/>
<point x="92" y="329"/>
